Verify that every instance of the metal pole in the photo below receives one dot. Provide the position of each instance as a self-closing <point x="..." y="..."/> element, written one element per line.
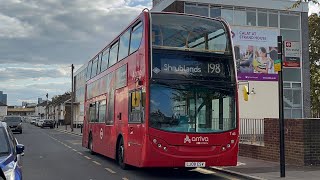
<point x="281" y="111"/>
<point x="72" y="68"/>
<point x="47" y="114"/>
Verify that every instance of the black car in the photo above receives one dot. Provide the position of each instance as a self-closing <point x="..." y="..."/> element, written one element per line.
<point x="14" y="122"/>
<point x="47" y="123"/>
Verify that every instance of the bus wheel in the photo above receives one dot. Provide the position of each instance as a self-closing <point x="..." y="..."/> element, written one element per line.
<point x="121" y="155"/>
<point x="91" y="145"/>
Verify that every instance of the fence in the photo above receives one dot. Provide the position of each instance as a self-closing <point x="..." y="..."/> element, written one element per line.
<point x="252" y="131"/>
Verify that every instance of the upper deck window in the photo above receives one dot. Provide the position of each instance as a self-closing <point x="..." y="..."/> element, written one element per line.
<point x="113" y="54"/>
<point x="124" y="45"/>
<point x="104" y="60"/>
<point x="189" y="33"/>
<point x="94" y="68"/>
<point x="136" y="37"/>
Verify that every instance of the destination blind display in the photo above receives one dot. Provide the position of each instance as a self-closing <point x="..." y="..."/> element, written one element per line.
<point x="189" y="67"/>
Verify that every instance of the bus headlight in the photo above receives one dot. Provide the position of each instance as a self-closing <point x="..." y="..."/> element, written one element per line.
<point x="159" y="145"/>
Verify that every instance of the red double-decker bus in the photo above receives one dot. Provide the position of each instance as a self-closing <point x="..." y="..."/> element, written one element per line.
<point x="164" y="94"/>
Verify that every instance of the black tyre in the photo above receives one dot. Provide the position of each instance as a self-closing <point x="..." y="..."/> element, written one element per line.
<point x="20" y="132"/>
<point x="121" y="155"/>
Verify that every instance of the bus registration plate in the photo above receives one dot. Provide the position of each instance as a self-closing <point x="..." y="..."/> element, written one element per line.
<point x="195" y="164"/>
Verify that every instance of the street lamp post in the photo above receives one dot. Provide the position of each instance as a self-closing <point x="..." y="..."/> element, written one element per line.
<point x="72" y="91"/>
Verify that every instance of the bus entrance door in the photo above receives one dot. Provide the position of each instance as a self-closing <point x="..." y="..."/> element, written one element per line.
<point x="135" y="127"/>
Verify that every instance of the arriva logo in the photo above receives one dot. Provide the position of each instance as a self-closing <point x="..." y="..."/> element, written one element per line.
<point x="197" y="140"/>
<point x="187" y="139"/>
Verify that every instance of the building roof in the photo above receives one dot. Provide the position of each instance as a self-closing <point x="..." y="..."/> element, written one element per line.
<point x="284" y="5"/>
<point x="21" y="109"/>
<point x="44" y="103"/>
<point x="1" y="104"/>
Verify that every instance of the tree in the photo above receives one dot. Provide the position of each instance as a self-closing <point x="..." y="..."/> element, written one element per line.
<point x="295" y="5"/>
<point x="314" y="52"/>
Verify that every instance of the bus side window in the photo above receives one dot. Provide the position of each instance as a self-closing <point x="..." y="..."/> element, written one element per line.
<point x="93" y="112"/>
<point x="136" y="106"/>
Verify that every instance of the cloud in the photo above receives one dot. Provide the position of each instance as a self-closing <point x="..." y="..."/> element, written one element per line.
<point x="17" y="72"/>
<point x="61" y="31"/>
<point x="13" y="28"/>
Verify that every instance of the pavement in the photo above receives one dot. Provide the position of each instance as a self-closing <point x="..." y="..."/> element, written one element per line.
<point x="250" y="168"/>
<point x="67" y="129"/>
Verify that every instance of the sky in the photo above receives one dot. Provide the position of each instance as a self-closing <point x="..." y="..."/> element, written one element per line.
<point x="40" y="39"/>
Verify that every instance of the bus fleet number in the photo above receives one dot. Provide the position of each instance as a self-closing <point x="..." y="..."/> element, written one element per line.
<point x="214" y="68"/>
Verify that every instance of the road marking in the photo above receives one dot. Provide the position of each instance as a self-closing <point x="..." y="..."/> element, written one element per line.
<point x="96" y="163"/>
<point x="80" y="153"/>
<point x="204" y="171"/>
<point x="110" y="170"/>
<point x="74" y="150"/>
<point x="87" y="157"/>
<point x="125" y="178"/>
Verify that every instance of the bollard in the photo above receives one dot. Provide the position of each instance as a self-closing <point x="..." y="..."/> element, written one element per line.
<point x="81" y="126"/>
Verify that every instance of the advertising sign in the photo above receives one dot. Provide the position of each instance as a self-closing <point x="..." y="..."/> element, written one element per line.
<point x="255" y="52"/>
<point x="292" y="54"/>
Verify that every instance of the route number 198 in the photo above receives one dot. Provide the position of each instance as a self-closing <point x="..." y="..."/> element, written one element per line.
<point x="214" y="68"/>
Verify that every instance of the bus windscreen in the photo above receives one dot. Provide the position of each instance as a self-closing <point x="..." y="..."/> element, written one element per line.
<point x="189" y="33"/>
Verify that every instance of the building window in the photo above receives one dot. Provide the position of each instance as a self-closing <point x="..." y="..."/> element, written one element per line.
<point x="251" y="18"/>
<point x="273" y="20"/>
<point x="289" y="21"/>
<point x="227" y="14"/>
<point x="215" y="11"/>
<point x="197" y="9"/>
<point x="292" y="74"/>
<point x="290" y="35"/>
<point x="262" y="18"/>
<point x="240" y="17"/>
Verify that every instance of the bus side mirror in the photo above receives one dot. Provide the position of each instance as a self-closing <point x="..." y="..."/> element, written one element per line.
<point x="135" y="99"/>
<point x="245" y="92"/>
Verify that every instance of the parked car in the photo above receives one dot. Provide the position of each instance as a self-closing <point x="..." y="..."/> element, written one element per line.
<point x="37" y="122"/>
<point x="10" y="154"/>
<point x="48" y="123"/>
<point x="40" y="122"/>
<point x="33" y="121"/>
<point x="14" y="122"/>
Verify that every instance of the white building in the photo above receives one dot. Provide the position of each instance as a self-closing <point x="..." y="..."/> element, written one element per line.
<point x="40" y="109"/>
<point x="79" y="87"/>
<point x="255" y="25"/>
<point x="3" y="109"/>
